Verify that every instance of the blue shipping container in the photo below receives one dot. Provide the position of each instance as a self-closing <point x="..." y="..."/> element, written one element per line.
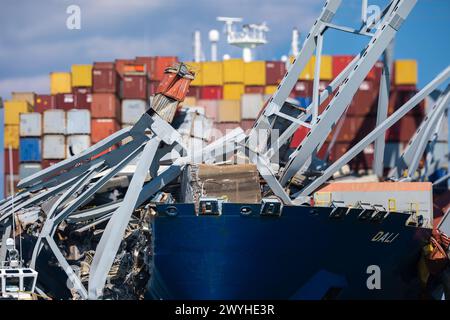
<point x="30" y="150"/>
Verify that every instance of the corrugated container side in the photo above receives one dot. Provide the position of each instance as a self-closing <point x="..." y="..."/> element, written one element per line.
<point x="229" y="111"/>
<point x="221" y="129"/>
<point x="24" y="96"/>
<point x="211" y="92"/>
<point x="134" y="87"/>
<point x="105" y="105"/>
<point x="251" y="105"/>
<point x="102" y="128"/>
<point x="45" y="163"/>
<point x="132" y="110"/>
<point x="255" y="73"/>
<point x="78" y="121"/>
<point x="303" y="89"/>
<point x="12" y="109"/>
<point x="254" y="89"/>
<point x="54" y="122"/>
<point x="405" y="72"/>
<point x="233" y="71"/>
<point x="365" y="100"/>
<point x="120" y="65"/>
<point x="194" y="92"/>
<point x="31" y="124"/>
<point x="11" y="136"/>
<point x="30" y="150"/>
<point x="82" y="100"/>
<point x="339" y="64"/>
<point x="160" y="64"/>
<point x="326" y="67"/>
<point x="233" y="91"/>
<point x="81" y="75"/>
<point x="196" y="67"/>
<point x="15" y="162"/>
<point x="60" y="82"/>
<point x="211" y="108"/>
<point x="105" y="78"/>
<point x="190" y="101"/>
<point x="64" y="101"/>
<point x="77" y="144"/>
<point x="53" y="146"/>
<point x="28" y="169"/>
<point x="44" y="102"/>
<point x="275" y="71"/>
<point x="148" y="62"/>
<point x="404" y="129"/>
<point x="212" y="73"/>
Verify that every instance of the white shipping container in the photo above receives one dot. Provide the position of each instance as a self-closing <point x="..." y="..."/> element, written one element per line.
<point x="54" y="121"/>
<point x="27" y="169"/>
<point x="78" y="121"/>
<point x="132" y="110"/>
<point x="30" y="124"/>
<point x="54" y="146"/>
<point x="251" y="104"/>
<point x="77" y="144"/>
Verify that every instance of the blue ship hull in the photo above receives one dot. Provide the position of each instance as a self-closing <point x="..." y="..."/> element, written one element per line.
<point x="302" y="254"/>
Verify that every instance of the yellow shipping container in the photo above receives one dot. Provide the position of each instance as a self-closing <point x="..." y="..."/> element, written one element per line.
<point x="11" y="136"/>
<point x="255" y="73"/>
<point x="326" y="68"/>
<point x="233" y="91"/>
<point x="229" y="111"/>
<point x="405" y="72"/>
<point x="23" y="96"/>
<point x="212" y="73"/>
<point x="81" y="75"/>
<point x="13" y="109"/>
<point x="197" y="68"/>
<point x="270" y="89"/>
<point x="60" y="82"/>
<point x="233" y="71"/>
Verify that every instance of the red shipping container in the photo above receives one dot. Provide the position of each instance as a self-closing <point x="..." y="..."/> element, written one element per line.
<point x="365" y="100"/>
<point x="356" y="128"/>
<point x="15" y="162"/>
<point x="275" y="71"/>
<point x="222" y="129"/>
<point x="148" y="62"/>
<point x="152" y="87"/>
<point x="398" y="98"/>
<point x="298" y="136"/>
<point x="102" y="128"/>
<point x="45" y="163"/>
<point x="404" y="129"/>
<point x="255" y="89"/>
<point x="375" y="73"/>
<point x="194" y="92"/>
<point x="159" y="64"/>
<point x="134" y="87"/>
<point x="211" y="92"/>
<point x="105" y="78"/>
<point x="43" y="102"/>
<point x="120" y="65"/>
<point x="105" y="105"/>
<point x="339" y="64"/>
<point x="303" y="89"/>
<point x="64" y="101"/>
<point x="82" y="97"/>
<point x="323" y="150"/>
<point x="173" y="86"/>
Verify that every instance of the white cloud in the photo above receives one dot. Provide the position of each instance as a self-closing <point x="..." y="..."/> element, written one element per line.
<point x="40" y="84"/>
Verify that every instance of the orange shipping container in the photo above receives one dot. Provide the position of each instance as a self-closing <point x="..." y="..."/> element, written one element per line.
<point x="159" y="64"/>
<point x="105" y="105"/>
<point x="102" y="128"/>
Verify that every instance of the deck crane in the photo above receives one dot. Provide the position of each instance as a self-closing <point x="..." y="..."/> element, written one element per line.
<point x="70" y="184"/>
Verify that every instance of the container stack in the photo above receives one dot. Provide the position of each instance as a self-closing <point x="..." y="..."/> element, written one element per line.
<point x="91" y="102"/>
<point x="20" y="103"/>
<point x="30" y="152"/>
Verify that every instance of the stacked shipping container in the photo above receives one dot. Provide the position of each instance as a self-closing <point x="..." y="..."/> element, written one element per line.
<point x="91" y="102"/>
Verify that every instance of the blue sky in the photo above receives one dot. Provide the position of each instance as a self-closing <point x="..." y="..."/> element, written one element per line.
<point x="34" y="39"/>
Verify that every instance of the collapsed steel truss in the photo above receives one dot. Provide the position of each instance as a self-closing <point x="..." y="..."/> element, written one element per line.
<point x="74" y="181"/>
